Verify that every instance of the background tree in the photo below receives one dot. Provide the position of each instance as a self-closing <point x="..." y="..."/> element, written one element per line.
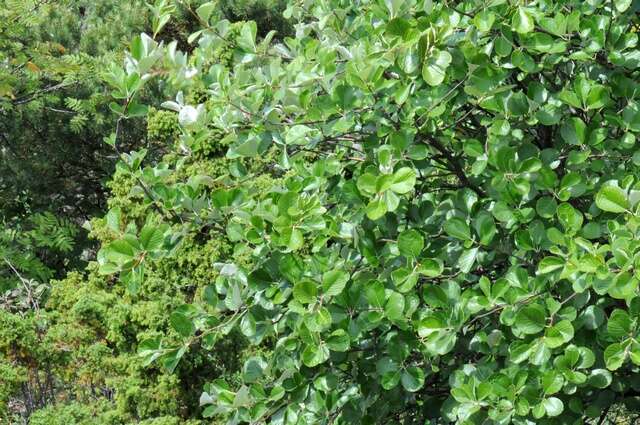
<point x="52" y="56"/>
<point x="68" y="347"/>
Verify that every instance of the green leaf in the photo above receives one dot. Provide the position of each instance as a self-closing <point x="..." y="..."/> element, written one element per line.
<point x="205" y="10"/>
<point x="467" y="259"/>
<point x="394" y="309"/>
<point x="631" y="116"/>
<point x="375" y="293"/>
<point x="546" y="207"/>
<point x="390" y="379"/>
<point x="410" y="243"/>
<point x="552" y="382"/>
<point x="151" y="238"/>
<point x="314" y="355"/>
<point x="540" y="354"/>
<point x="598" y="97"/>
<point x="334" y="281"/>
<point x="113" y="219"/>
<point x="634" y="352"/>
<point x="338" y="340"/>
<point x="553" y="406"/>
<point x="570" y="218"/>
<point x="622" y="5"/>
<point x="484" y="20"/>
<point x="319" y="320"/>
<point x="295" y="239"/>
<point x="574" y="131"/>
<point x="435" y="67"/>
<point x="376" y="209"/>
<point x="249" y="145"/>
<point x="559" y="334"/>
<point x="550" y="264"/>
<point x="248" y="325"/>
<point x="457" y="228"/>
<point x="404" y="279"/>
<point x="394" y="6"/>
<point x="171" y="359"/>
<point x="522" y="21"/>
<point x="119" y="251"/>
<point x="435" y="296"/>
<point x="485" y="227"/>
<point x="345" y="96"/>
<point x="531" y="319"/>
<point x="614" y="356"/>
<point x="150" y="350"/>
<point x="296" y="135"/>
<point x="388" y="369"/>
<point x="612" y="199"/>
<point x="592" y="317"/>
<point x="619" y="325"/>
<point x="182" y="324"/>
<point x="247" y="38"/>
<point x="305" y="292"/>
<point x="253" y="369"/>
<point x="624" y="286"/>
<point x="412" y="379"/>
<point x="367" y="184"/>
<point x="429" y="325"/>
<point x="430" y="267"/>
<point x="600" y="378"/>
<point x="403" y="180"/>
<point x="441" y="343"/>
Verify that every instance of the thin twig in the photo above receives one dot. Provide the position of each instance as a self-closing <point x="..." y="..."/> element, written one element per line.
<point x="32" y="300"/>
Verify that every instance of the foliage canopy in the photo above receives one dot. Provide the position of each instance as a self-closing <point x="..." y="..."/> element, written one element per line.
<point x="451" y="235"/>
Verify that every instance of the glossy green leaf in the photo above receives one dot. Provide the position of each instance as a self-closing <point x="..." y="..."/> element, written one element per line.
<point x="412" y="379"/>
<point x="531" y="319"/>
<point x="522" y="21"/>
<point x="550" y="264"/>
<point x="435" y="67"/>
<point x="305" y="291"/>
<point x="403" y="180"/>
<point x="314" y="355"/>
<point x="182" y="324"/>
<point x="334" y="281"/>
<point x="559" y="334"/>
<point x="410" y="243"/>
<point x="376" y="209"/>
<point x="612" y="199"/>
<point x="553" y="406"/>
<point x="457" y="228"/>
<point x="338" y="341"/>
<point x="394" y="308"/>
<point x="614" y="356"/>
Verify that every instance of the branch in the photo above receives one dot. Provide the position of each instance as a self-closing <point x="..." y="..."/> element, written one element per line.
<point x="603" y="416"/>
<point x="32" y="300"/>
<point x="26" y="99"/>
<point x="500" y="307"/>
<point x="454" y="165"/>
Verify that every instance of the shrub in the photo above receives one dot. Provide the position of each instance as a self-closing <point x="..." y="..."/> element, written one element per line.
<point x="448" y="233"/>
